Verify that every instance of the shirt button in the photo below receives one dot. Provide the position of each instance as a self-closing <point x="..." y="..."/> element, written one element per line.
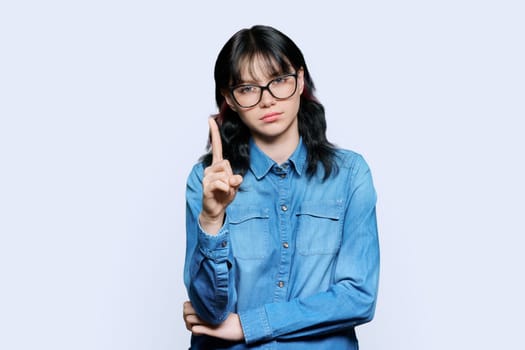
<point x="284" y="208"/>
<point x="285" y="245"/>
<point x="283" y="176"/>
<point x="224" y="244"/>
<point x="281" y="284"/>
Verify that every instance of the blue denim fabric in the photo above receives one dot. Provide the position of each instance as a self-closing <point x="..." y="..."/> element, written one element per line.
<point x="297" y="258"/>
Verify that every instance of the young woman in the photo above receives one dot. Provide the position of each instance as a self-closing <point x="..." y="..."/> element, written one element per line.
<point x="282" y="249"/>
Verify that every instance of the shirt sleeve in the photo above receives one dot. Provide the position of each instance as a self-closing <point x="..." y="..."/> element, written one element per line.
<point x="207" y="267"/>
<point x="351" y="300"/>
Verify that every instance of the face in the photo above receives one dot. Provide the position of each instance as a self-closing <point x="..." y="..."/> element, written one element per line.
<point x="271" y="120"/>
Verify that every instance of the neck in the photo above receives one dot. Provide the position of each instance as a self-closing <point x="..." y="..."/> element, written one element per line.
<point x="278" y="150"/>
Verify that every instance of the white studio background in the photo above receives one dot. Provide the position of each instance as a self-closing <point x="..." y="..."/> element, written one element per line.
<point x="103" y="108"/>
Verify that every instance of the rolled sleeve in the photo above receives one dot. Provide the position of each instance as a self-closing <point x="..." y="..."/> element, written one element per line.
<point x="210" y="288"/>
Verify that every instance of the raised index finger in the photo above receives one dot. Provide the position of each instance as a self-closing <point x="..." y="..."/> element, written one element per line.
<point x="216" y="144"/>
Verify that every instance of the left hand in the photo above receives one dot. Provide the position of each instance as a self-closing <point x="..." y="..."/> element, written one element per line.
<point x="230" y="329"/>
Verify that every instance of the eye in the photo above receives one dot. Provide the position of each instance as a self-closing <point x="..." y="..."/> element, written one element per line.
<point x="246" y="89"/>
<point x="282" y="80"/>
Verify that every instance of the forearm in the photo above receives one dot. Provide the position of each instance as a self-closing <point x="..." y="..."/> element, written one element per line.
<point x="341" y="307"/>
<point x="210" y="288"/>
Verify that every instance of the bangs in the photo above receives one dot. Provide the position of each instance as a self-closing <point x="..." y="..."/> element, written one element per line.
<point x="256" y="61"/>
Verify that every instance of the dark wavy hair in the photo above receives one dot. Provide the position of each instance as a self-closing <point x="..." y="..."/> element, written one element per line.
<point x="281" y="55"/>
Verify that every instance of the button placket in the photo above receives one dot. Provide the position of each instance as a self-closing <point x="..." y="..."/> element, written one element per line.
<point x="282" y="180"/>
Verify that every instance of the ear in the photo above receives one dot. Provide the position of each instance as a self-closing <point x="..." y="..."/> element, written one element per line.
<point x="300" y="80"/>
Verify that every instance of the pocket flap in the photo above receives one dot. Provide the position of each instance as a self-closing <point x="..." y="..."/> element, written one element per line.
<point x="237" y="215"/>
<point x="322" y="209"/>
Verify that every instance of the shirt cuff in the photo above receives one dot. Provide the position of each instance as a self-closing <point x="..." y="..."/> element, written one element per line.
<point x="255" y="325"/>
<point x="215" y="247"/>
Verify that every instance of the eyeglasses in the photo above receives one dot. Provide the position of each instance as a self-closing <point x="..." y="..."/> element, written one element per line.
<point x="248" y="95"/>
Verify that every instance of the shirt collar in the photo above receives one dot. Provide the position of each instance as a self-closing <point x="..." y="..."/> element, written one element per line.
<point x="260" y="163"/>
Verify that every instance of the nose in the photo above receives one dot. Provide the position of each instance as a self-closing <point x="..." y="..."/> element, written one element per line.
<point x="266" y="99"/>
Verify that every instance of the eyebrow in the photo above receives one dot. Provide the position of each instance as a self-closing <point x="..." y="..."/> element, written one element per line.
<point x="255" y="82"/>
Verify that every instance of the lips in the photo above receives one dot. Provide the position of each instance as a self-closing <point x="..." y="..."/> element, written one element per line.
<point x="270" y="117"/>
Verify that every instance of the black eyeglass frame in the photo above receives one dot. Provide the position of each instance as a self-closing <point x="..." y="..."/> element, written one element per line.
<point x="266" y="87"/>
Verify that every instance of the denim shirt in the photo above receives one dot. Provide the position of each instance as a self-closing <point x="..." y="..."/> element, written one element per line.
<point x="297" y="257"/>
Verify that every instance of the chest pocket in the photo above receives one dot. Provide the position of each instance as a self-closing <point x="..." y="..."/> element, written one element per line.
<point x="319" y="227"/>
<point x="249" y="231"/>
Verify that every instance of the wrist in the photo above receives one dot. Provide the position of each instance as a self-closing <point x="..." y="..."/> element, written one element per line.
<point x="211" y="224"/>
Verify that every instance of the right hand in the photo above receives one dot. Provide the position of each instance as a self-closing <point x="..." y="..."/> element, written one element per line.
<point x="219" y="185"/>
